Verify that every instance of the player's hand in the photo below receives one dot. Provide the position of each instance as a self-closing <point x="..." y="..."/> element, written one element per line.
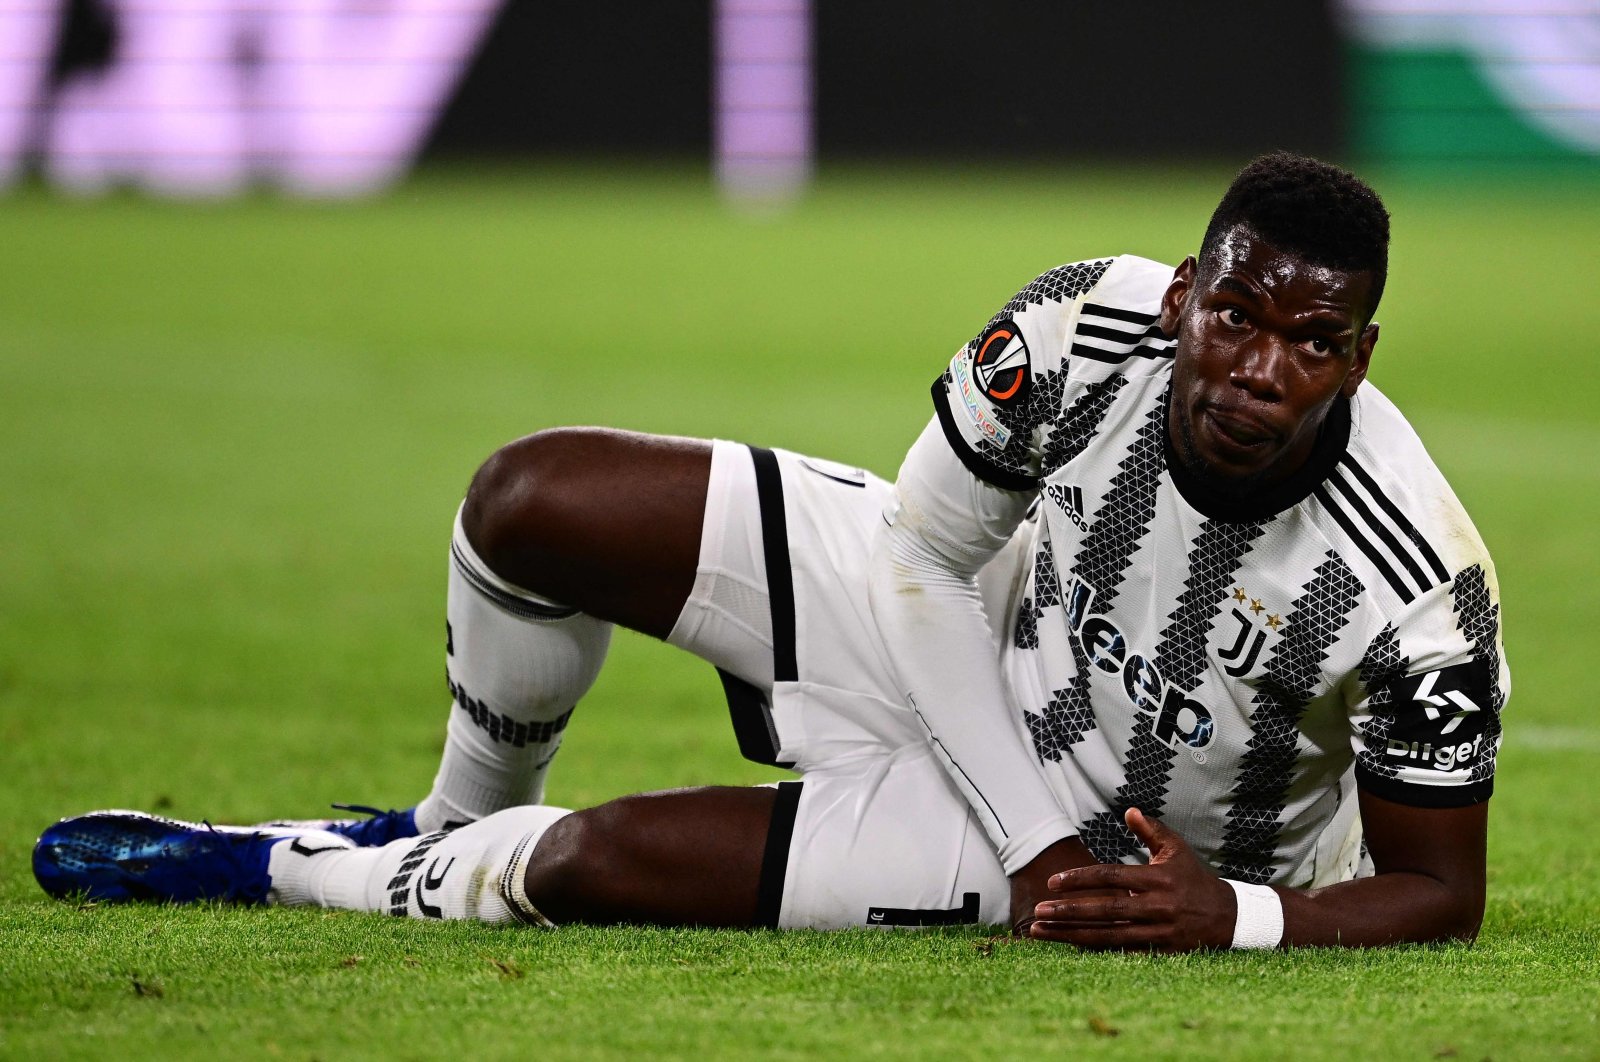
<point x="1173" y="904"/>
<point x="1031" y="884"/>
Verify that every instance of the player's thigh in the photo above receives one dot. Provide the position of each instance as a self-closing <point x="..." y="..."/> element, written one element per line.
<point x="888" y="841"/>
<point x="604" y="521"/>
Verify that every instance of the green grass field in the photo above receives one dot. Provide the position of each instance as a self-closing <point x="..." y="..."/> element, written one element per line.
<point x="231" y="441"/>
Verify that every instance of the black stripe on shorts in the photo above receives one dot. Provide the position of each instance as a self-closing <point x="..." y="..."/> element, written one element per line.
<point x="965" y="915"/>
<point x="775" y="550"/>
<point x="775" y="858"/>
<point x="749" y="708"/>
<point x="751" y="714"/>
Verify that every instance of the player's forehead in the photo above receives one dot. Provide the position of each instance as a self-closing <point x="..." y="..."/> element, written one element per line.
<point x="1243" y="264"/>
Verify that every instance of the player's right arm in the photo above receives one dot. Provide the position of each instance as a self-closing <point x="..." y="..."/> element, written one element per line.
<point x="942" y="527"/>
<point x="962" y="491"/>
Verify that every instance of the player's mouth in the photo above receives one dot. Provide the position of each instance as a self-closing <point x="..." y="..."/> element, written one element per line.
<point x="1236" y="433"/>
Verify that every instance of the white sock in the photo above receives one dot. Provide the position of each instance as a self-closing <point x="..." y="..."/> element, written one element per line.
<point x="476" y="871"/>
<point x="517" y="664"/>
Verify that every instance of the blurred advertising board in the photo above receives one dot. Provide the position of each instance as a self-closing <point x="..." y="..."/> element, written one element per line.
<point x="1457" y="81"/>
<point x="203" y="97"/>
<point x="341" y="97"/>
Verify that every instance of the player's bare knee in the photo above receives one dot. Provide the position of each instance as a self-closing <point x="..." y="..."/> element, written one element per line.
<point x="568" y="876"/>
<point x="513" y="507"/>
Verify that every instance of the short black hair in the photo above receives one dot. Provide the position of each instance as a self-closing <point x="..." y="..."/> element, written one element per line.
<point x="1309" y="208"/>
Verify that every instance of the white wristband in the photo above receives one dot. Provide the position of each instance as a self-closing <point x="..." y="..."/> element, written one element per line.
<point x="1259" y="923"/>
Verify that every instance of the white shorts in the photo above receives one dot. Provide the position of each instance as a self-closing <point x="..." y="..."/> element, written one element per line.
<point x="876" y="833"/>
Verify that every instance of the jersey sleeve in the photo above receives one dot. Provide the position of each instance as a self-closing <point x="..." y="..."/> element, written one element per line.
<point x="941" y="527"/>
<point x="1003" y="387"/>
<point x="1427" y="731"/>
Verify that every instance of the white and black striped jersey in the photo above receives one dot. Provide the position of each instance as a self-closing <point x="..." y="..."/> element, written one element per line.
<point x="1238" y="671"/>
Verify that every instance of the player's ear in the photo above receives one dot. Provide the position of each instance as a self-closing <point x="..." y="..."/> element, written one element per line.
<point x="1172" y="301"/>
<point x="1362" y="359"/>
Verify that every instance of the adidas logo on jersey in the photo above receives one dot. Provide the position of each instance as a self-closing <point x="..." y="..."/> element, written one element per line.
<point x="1176" y="719"/>
<point x="1070" y="501"/>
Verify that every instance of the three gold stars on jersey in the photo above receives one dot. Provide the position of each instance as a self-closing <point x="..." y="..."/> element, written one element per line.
<point x="1274" y="621"/>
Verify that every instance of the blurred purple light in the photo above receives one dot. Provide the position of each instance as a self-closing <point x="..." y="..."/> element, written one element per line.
<point x="338" y="97"/>
<point x="762" y="107"/>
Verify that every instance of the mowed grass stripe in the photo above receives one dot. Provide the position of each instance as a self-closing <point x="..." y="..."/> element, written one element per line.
<point x="1555" y="738"/>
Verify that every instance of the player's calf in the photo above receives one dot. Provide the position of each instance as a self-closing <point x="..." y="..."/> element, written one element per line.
<point x="516" y="665"/>
<point x="562" y="532"/>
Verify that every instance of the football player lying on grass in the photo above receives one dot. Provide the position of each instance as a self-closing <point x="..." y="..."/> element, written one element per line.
<point x="1169" y="635"/>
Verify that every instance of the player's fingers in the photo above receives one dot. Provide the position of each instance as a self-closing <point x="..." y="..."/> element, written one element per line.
<point x="1099" y="910"/>
<point x="1100" y="876"/>
<point x="1132" y="936"/>
<point x="1154" y="834"/>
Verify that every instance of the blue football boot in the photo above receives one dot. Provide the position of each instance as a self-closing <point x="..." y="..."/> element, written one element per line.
<point x="118" y="856"/>
<point x="379" y="828"/>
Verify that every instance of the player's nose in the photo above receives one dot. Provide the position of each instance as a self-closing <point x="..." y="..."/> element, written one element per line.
<point x="1259" y="366"/>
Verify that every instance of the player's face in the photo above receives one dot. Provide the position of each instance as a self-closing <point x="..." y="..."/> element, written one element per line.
<point x="1266" y="342"/>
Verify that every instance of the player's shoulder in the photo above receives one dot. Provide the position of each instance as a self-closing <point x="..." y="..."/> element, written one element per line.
<point x="1099" y="310"/>
<point x="1134" y="283"/>
<point x="1395" y="505"/>
<point x="1120" y="282"/>
<point x="1116" y="323"/>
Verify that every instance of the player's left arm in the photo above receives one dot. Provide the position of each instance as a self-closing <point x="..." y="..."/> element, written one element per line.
<point x="1425" y="731"/>
<point x="1428" y="885"/>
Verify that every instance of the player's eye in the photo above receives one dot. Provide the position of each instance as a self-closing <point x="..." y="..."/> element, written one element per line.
<point x="1318" y="346"/>
<point x="1232" y="316"/>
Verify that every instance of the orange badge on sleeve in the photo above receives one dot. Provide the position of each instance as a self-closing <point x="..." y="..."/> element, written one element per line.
<point x="1001" y="364"/>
